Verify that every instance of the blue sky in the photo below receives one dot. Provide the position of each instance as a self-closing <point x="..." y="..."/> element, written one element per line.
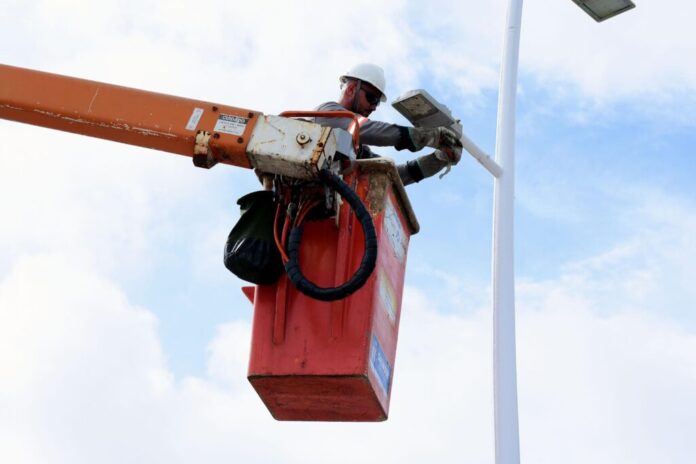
<point x="124" y="339"/>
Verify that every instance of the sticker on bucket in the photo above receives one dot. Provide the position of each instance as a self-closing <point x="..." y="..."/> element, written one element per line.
<point x="379" y="365"/>
<point x="395" y="231"/>
<point x="230" y="124"/>
<point x="387" y="296"/>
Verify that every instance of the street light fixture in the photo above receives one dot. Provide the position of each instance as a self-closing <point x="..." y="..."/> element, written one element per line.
<point x="507" y="445"/>
<point x="604" y="9"/>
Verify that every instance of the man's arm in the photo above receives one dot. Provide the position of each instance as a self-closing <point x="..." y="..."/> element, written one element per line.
<point x="384" y="134"/>
<point x="422" y="167"/>
<point x="376" y="133"/>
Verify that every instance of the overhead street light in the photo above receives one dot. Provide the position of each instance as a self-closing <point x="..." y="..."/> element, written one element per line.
<point x="604" y="9"/>
<point x="507" y="446"/>
<point x="422" y="110"/>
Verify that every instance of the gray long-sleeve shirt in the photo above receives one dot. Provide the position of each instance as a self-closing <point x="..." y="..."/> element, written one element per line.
<point x="377" y="133"/>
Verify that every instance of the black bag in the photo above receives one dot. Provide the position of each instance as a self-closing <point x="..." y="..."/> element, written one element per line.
<point x="250" y="252"/>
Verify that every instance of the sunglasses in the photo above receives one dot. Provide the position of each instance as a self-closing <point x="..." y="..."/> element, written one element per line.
<point x="372" y="98"/>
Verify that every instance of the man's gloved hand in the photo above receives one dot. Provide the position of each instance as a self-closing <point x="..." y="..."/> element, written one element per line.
<point x="449" y="155"/>
<point x="435" y="137"/>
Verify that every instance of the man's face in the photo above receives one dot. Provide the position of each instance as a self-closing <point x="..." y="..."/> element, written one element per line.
<point x="367" y="99"/>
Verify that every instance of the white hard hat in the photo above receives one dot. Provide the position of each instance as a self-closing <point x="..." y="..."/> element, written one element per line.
<point x="370" y="73"/>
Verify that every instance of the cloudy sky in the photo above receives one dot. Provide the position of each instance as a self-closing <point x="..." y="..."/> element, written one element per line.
<point x="124" y="339"/>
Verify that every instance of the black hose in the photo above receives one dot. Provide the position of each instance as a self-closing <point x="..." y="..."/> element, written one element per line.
<point x="369" y="259"/>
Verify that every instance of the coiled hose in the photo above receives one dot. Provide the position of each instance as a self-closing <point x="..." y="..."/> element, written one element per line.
<point x="369" y="259"/>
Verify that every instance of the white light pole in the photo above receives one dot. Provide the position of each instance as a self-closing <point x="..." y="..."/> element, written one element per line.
<point x="507" y="443"/>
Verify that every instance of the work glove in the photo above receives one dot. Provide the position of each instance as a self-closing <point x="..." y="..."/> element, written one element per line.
<point x="449" y="156"/>
<point x="428" y="165"/>
<point x="435" y="137"/>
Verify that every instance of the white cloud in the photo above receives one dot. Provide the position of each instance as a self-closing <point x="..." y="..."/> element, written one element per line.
<point x="263" y="53"/>
<point x="595" y="389"/>
<point x="637" y="57"/>
<point x="84" y="380"/>
<point x="607" y="349"/>
<point x="82" y="371"/>
<point x="93" y="199"/>
<point x="639" y="54"/>
<point x="654" y="267"/>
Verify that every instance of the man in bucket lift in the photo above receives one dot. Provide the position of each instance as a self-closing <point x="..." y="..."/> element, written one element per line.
<point x="362" y="90"/>
<point x="251" y="252"/>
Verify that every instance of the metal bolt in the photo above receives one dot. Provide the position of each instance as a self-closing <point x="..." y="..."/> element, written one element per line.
<point x="303" y="138"/>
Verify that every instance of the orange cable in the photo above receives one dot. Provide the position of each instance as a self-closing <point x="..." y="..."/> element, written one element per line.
<point x="280" y="247"/>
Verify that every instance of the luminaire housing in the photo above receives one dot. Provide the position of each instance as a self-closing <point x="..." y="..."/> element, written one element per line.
<point x="604" y="9"/>
<point x="423" y="110"/>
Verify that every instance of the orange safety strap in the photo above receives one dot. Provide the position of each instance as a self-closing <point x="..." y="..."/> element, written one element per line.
<point x="358" y="122"/>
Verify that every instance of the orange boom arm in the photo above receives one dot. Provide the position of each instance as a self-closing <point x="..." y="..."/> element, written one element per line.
<point x="132" y="116"/>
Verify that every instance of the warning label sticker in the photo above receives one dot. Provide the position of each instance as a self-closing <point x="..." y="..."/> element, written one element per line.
<point x="194" y="119"/>
<point x="379" y="365"/>
<point x="387" y="296"/>
<point x="229" y="124"/>
<point x="395" y="231"/>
